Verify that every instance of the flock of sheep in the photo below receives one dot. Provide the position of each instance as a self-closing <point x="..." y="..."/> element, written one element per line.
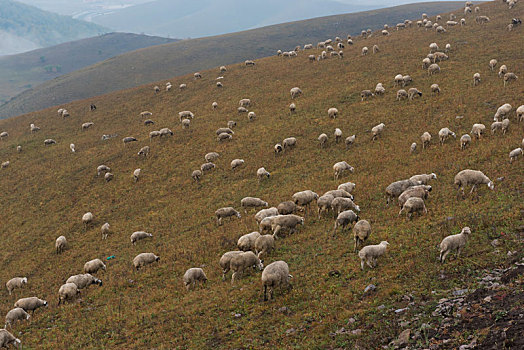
<point x="273" y="221"/>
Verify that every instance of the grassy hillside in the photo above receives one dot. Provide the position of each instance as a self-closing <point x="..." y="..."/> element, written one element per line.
<point x="23" y="71"/>
<point x="48" y="189"/>
<point x="188" y="56"/>
<point x="42" y="27"/>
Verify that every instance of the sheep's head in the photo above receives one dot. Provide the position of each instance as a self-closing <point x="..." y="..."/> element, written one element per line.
<point x="259" y="265"/>
<point x="24" y="280"/>
<point x="157" y="258"/>
<point x="466" y="230"/>
<point x="97" y="281"/>
<point x="491" y="185"/>
<point x="384" y="243"/>
<point x="238" y="215"/>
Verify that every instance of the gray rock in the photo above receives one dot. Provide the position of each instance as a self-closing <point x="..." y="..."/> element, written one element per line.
<point x="370" y="288"/>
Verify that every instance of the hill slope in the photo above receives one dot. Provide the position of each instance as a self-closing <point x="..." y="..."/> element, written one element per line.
<point x="22" y="71"/>
<point x="48" y="189"/>
<point x="40" y="27"/>
<point x="187" y="56"/>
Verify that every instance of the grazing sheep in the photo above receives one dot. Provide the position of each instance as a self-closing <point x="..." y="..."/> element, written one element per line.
<point x="185" y="115"/>
<point x="235" y="163"/>
<point x="377" y="130"/>
<point x="426" y="62"/>
<point x="322" y="139"/>
<point x="289" y="143"/>
<point x="338" y="135"/>
<point x="87" y="125"/>
<point x="207" y="167"/>
<point x="435" y="89"/>
<point x="454" y="242"/>
<point x="399" y="80"/>
<point x="444" y="133"/>
<point x="375" y="49"/>
<point x="136" y="174"/>
<point x="87" y="218"/>
<point x="288" y="207"/>
<point x="60" y="244"/>
<point x="492" y="64"/>
<point x="144" y="259"/>
<point x="7" y="338"/>
<point x="265" y="213"/>
<point x="94" y="265"/>
<point x="433" y="69"/>
<point x="396" y="188"/>
<point x="349" y="141"/>
<point x="361" y="232"/>
<point x="278" y="148"/>
<point x="502" y="112"/>
<point x="156" y="88"/>
<point x="482" y="19"/>
<point x="465" y="141"/>
<point x="84" y="280"/>
<point x="16" y="282"/>
<point x="195" y="274"/>
<point x="505" y="126"/>
<point x="249" y="63"/>
<point x="295" y="92"/>
<point x="380" y="90"/>
<point x="164" y="132"/>
<point x="324" y="203"/>
<point x="344" y="219"/>
<point x="139" y="235"/>
<point x="252" y="202"/>
<point x="348" y="187"/>
<point x="261" y="173"/>
<point x="413" y="205"/>
<point x="426" y="139"/>
<point x="144" y="151"/>
<point x="340" y="204"/>
<point x="423" y="178"/>
<point x="332" y="112"/>
<point x="421" y="191"/>
<point x="476" y="79"/>
<point x="407" y="79"/>
<point x="196" y="175"/>
<point x="495" y="126"/>
<point x="108" y="177"/>
<point x="471" y="177"/>
<point x="413" y="93"/>
<point x="30" y="304"/>
<point x="509" y="77"/>
<point x="16" y="314"/>
<point x="264" y="244"/>
<point x="19" y="148"/>
<point x="154" y="133"/>
<point x="292" y="108"/>
<point x="364" y="94"/>
<point x="413" y="147"/>
<point x="225" y="262"/>
<point x="477" y="130"/>
<point x="224" y="130"/>
<point x="231" y="124"/>
<point x="241" y="262"/>
<point x="520" y="113"/>
<point x="226" y="212"/>
<point x="67" y="292"/>
<point x="513" y="155"/>
<point x="340" y="193"/>
<point x="402" y="94"/>
<point x="365" y="51"/>
<point x="34" y="128"/>
<point x="5" y="164"/>
<point x="340" y="168"/>
<point x="288" y="222"/>
<point x="186" y="123"/>
<point x="49" y="142"/>
<point x="369" y="254"/>
<point x="304" y="198"/>
<point x="105" y="230"/>
<point x="502" y="70"/>
<point x="275" y="275"/>
<point x="211" y="156"/>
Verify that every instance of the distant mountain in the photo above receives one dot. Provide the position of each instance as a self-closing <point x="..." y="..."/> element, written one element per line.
<point x="186" y="56"/>
<point x="27" y="27"/>
<point x="22" y="71"/>
<point x="198" y="18"/>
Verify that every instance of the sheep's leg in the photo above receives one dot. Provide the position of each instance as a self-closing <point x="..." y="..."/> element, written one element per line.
<point x="472" y="189"/>
<point x="458" y="252"/>
<point x="369" y="263"/>
<point x="400" y="212"/>
<point x="224" y="272"/>
<point x="356" y="243"/>
<point x="335" y="229"/>
<point x="362" y="264"/>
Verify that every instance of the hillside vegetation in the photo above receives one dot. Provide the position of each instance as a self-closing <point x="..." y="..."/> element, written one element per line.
<point x="47" y="189"/>
<point x="41" y="27"/>
<point x="183" y="57"/>
<point x="28" y="69"/>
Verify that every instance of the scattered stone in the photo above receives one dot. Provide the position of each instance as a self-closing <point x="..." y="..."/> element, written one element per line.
<point x="351" y="320"/>
<point x="356" y="331"/>
<point x="403" y="338"/>
<point x="495" y="243"/>
<point x="399" y="311"/>
<point x="487" y="299"/>
<point x="285" y="310"/>
<point x="381" y="307"/>
<point x="334" y="273"/>
<point x="291" y="331"/>
<point x="370" y="288"/>
<point x="460" y="292"/>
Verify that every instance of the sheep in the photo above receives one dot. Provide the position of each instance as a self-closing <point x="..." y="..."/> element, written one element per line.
<point x="251" y="116"/>
<point x="225" y="261"/>
<point x="502" y="70"/>
<point x="278" y="148"/>
<point x="396" y="188"/>
<point x="340" y="168"/>
<point x="324" y="203"/>
<point x="465" y="141"/>
<point x="185" y="115"/>
<point x="182" y="86"/>
<point x="34" y="128"/>
<point x="492" y="64"/>
<point x="377" y="130"/>
<point x="495" y="126"/>
<point x="231" y="124"/>
<point x="340" y="193"/>
<point x="194" y="275"/>
<point x="304" y="198"/>
<point x="223" y="69"/>
<point x="252" y="202"/>
<point x="94" y="265"/>
<point x="520" y="113"/>
<point x="224" y="130"/>
<point x="413" y="93"/>
<point x="365" y="94"/>
<point x="206" y="167"/>
<point x="365" y="51"/>
<point x="240" y="262"/>
<point x="154" y="133"/>
<point x="338" y="135"/>
<point x="84" y="280"/>
<point x="513" y="155"/>
<point x="264" y="213"/>
<point x="16" y="282"/>
<point x="413" y="147"/>
<point x="482" y="19"/>
<point x="289" y="143"/>
<point x="289" y="222"/>
<point x="197" y="75"/>
<point x="30" y="304"/>
<point x="340" y="204"/>
<point x="502" y="111"/>
<point x="344" y="219"/>
<point x="16" y="314"/>
<point x="67" y="292"/>
<point x="49" y="142"/>
<point x="477" y="130"/>
<point x="186" y="123"/>
<point x="399" y="80"/>
<point x="275" y="275"/>
<point x="476" y="79"/>
<point x="196" y="175"/>
<point x="292" y="108"/>
<point x="426" y="62"/>
<point x="295" y="92"/>
<point x="19" y="148"/>
<point x="249" y="63"/>
<point x="448" y="48"/>
<point x="471" y="177"/>
<point x="454" y="242"/>
<point x="433" y="69"/>
<point x="426" y="139"/>
<point x="87" y="218"/>
<point x="402" y="95"/>
<point x="407" y="79"/>
<point x="288" y="207"/>
<point x="369" y="254"/>
<point x="413" y="205"/>
<point x="361" y="232"/>
<point x="156" y="88"/>
<point x="7" y="338"/>
<point x="348" y="187"/>
<point x="108" y="177"/>
<point x="380" y="90"/>
<point x="164" y="132"/>
<point x="509" y="77"/>
<point x="322" y="139"/>
<point x="444" y="133"/>
<point x="435" y="89"/>
<point x="332" y="112"/>
<point x="235" y="163"/>
<point x="420" y="191"/>
<point x="261" y="173"/>
<point x="375" y="49"/>
<point x="349" y="141"/>
<point x="226" y="212"/>
<point x="264" y="244"/>
<point x="136" y="174"/>
<point x="423" y="178"/>
<point x="105" y="230"/>
<point x="5" y="164"/>
<point x="87" y="125"/>
<point x="139" y="235"/>
<point x="144" y="259"/>
<point x="144" y="151"/>
<point x="60" y="244"/>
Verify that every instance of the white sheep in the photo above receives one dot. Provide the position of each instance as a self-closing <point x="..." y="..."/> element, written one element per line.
<point x="472" y="177"/>
<point x="340" y="204"/>
<point x="263" y="245"/>
<point x="503" y="70"/>
<point x="332" y="112"/>
<point x="402" y="94"/>
<point x="84" y="280"/>
<point x="139" y="235"/>
<point x="292" y="107"/>
<point x="414" y="93"/>
<point x="206" y="167"/>
<point x="289" y="142"/>
<point x="476" y="79"/>
<point x="235" y="163"/>
<point x="49" y="142"/>
<point x="370" y="253"/>
<point x="287" y="207"/>
<point x="194" y="275"/>
<point x="377" y="130"/>
<point x="231" y="124"/>
<point x="513" y="155"/>
<point x="304" y="198"/>
<point x="295" y="92"/>
<point x="413" y="147"/>
<point x="288" y="222"/>
<point x="508" y="77"/>
<point x="265" y="213"/>
<point x="251" y="116"/>
<point x="477" y="130"/>
<point x="465" y="140"/>
<point x="94" y="265"/>
<point x="186" y="123"/>
<point x="16" y="314"/>
<point x="252" y="202"/>
<point x="322" y="139"/>
<point x="225" y="261"/>
<point x="67" y="291"/>
<point x="454" y="242"/>
<point x="324" y="203"/>
<point x="349" y="141"/>
<point x="338" y="135"/>
<point x="492" y="64"/>
<point x="87" y="125"/>
<point x="435" y="89"/>
<point x="226" y="212"/>
<point x="520" y="113"/>
<point x="275" y="275"/>
<point x="444" y="133"/>
<point x="105" y="230"/>
<point x="108" y="177"/>
<point x="30" y="304"/>
<point x="344" y="219"/>
<point x="240" y="262"/>
<point x="364" y="94"/>
<point x="136" y="174"/>
<point x="60" y="244"/>
<point x="5" y="164"/>
<point x="341" y="167"/>
<point x="16" y="282"/>
<point x="261" y="173"/>
<point x="502" y="112"/>
<point x="348" y="187"/>
<point x="361" y="232"/>
<point x="144" y="259"/>
<point x="433" y="69"/>
<point x="365" y="51"/>
<point x="413" y="205"/>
